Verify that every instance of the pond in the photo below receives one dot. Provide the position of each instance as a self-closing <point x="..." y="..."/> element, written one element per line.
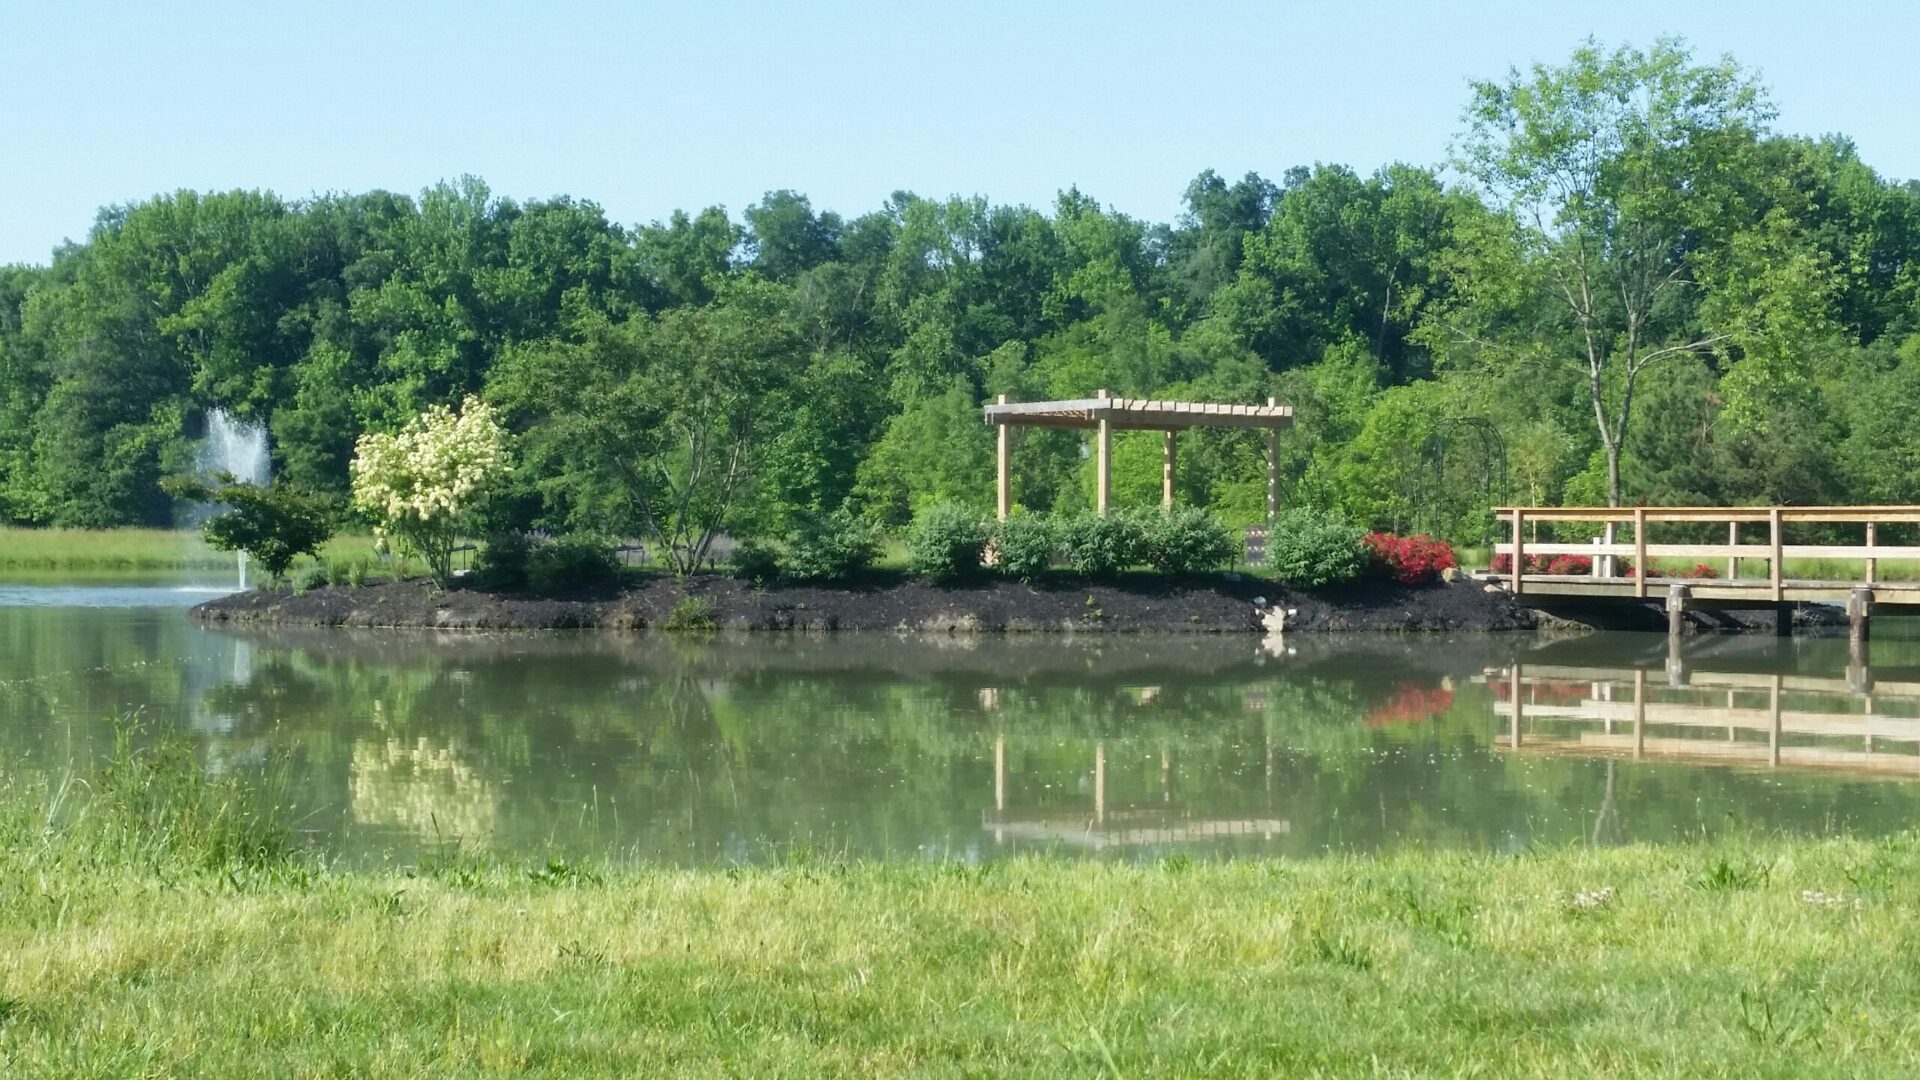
<point x="390" y="744"/>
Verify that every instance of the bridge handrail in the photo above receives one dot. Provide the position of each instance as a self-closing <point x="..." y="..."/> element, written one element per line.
<point x="1775" y="551"/>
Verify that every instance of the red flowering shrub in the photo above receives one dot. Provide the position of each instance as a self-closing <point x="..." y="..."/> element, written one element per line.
<point x="1409" y="560"/>
<point x="1502" y="564"/>
<point x="1696" y="571"/>
<point x="1571" y="564"/>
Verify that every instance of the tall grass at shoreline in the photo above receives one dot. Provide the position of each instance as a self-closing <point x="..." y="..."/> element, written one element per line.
<point x="157" y="922"/>
<point x="138" y="550"/>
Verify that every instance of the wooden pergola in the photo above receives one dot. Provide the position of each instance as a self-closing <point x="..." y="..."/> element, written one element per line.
<point x="1105" y="413"/>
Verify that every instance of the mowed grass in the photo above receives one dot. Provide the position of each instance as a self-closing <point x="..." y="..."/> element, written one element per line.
<point x="137" y="550"/>
<point x="166" y="930"/>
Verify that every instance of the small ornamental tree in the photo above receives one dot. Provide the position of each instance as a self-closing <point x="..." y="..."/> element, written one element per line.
<point x="273" y="524"/>
<point x="422" y="484"/>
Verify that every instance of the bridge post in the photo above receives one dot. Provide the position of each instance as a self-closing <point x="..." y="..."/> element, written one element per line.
<point x="1733" y="541"/>
<point x="1103" y="483"/>
<point x="1873" y="564"/>
<point x="1774" y="560"/>
<point x="1677" y="596"/>
<point x="1640" y="568"/>
<point x="1859" y="613"/>
<point x="1003" y="471"/>
<point x="1519" y="549"/>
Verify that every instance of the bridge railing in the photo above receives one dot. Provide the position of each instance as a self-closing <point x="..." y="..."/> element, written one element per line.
<point x="1608" y="552"/>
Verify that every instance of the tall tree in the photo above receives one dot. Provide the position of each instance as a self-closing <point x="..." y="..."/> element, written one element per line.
<point x="1611" y="169"/>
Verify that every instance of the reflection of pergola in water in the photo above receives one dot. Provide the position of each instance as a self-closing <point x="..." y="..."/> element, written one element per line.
<point x="1103" y="414"/>
<point x="1712" y="717"/>
<point x="1128" y="825"/>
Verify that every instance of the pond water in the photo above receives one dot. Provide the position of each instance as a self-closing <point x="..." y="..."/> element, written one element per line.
<point x="566" y="744"/>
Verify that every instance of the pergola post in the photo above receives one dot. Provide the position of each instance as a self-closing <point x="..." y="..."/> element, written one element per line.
<point x="1166" y="472"/>
<point x="1273" y="469"/>
<point x="1003" y="479"/>
<point x="1103" y="485"/>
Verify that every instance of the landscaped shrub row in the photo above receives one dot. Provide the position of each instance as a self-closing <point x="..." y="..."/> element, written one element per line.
<point x="514" y="560"/>
<point x="948" y="542"/>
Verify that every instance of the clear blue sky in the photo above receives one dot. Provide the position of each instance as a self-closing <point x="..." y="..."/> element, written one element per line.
<point x="645" y="108"/>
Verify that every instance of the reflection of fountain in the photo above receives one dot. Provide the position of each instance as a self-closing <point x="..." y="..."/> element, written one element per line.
<point x="237" y="448"/>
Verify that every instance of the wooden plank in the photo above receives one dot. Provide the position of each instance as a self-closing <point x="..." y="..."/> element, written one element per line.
<point x="1715" y="551"/>
<point x="1827" y="514"/>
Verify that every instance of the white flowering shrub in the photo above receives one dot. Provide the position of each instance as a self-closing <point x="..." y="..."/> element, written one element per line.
<point x="420" y="484"/>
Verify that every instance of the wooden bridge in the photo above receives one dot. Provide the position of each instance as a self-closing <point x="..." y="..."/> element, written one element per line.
<point x="1617" y="569"/>
<point x="1858" y="725"/>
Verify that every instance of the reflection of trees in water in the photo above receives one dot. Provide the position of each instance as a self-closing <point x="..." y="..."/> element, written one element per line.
<point x="670" y="750"/>
<point x="422" y="789"/>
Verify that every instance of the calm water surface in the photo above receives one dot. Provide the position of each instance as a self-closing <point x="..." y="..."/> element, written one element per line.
<point x="701" y="753"/>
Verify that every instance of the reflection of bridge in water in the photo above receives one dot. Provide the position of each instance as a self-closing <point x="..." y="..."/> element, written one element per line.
<point x="1107" y="824"/>
<point x="1851" y="725"/>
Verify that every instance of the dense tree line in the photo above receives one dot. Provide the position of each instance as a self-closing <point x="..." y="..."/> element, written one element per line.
<point x="1626" y="286"/>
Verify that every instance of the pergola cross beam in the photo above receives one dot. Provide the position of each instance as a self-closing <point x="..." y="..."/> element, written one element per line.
<point x="1105" y="413"/>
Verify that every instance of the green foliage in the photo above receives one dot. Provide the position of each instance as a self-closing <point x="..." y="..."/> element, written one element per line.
<point x="154" y="804"/>
<point x="1024" y="544"/>
<point x="690" y="615"/>
<point x="503" y="560"/>
<point x="274" y="525"/>
<point x="754" y="562"/>
<point x="311" y="578"/>
<point x="1186" y="540"/>
<point x="574" y="560"/>
<point x="1103" y="546"/>
<point x="1310" y="548"/>
<point x="1531" y="334"/>
<point x="423" y="484"/>
<point x="833" y="546"/>
<point x="946" y="541"/>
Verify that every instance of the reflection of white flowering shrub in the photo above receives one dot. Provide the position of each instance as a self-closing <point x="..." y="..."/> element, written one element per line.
<point x="421" y="483"/>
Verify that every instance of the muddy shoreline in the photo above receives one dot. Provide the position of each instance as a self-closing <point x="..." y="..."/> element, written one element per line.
<point x="1144" y="604"/>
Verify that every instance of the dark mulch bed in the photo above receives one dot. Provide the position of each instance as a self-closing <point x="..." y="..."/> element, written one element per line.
<point x="1145" y="603"/>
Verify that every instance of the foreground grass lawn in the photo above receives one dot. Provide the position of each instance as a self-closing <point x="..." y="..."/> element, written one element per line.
<point x="1702" y="961"/>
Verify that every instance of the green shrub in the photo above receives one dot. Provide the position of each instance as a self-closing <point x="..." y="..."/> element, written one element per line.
<point x="310" y="578"/>
<point x="502" y="562"/>
<point x="1103" y="546"/>
<point x="1189" y="540"/>
<point x="1024" y="545"/>
<point x="571" y="561"/>
<point x="1310" y="547"/>
<point x="690" y="615"/>
<point x="357" y="572"/>
<point x="829" y="547"/>
<point x="946" y="541"/>
<point x="274" y="525"/>
<point x="754" y="562"/>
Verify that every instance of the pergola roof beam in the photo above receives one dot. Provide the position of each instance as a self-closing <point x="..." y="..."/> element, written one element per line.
<point x="1138" y="414"/>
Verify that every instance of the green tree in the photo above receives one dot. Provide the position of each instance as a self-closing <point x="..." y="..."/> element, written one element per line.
<point x="1609" y="169"/>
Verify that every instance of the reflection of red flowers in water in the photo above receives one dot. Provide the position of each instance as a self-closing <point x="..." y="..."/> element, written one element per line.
<point x="1412" y="704"/>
